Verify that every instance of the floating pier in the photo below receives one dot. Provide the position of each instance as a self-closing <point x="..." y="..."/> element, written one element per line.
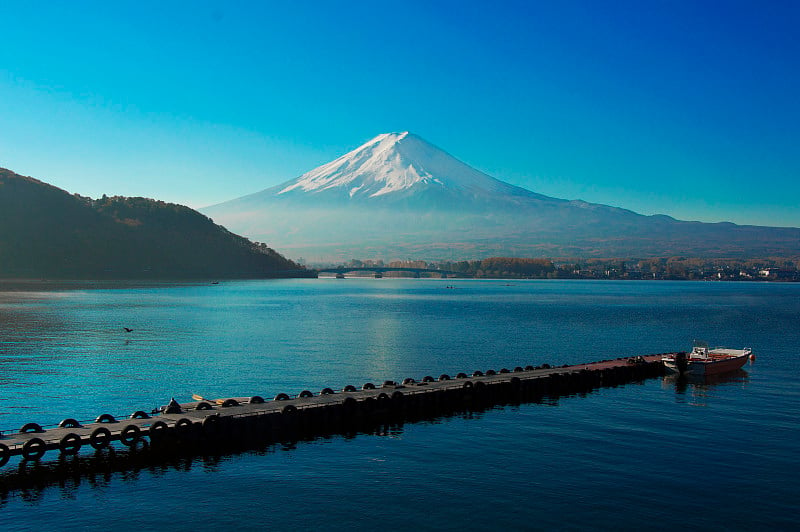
<point x="225" y="423"/>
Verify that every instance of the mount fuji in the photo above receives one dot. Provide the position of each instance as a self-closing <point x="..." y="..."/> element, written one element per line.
<point x="400" y="167"/>
<point x="398" y="196"/>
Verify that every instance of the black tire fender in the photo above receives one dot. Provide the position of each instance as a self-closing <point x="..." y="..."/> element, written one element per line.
<point x="211" y="424"/>
<point x="158" y="430"/>
<point x="183" y="425"/>
<point x="30" y="427"/>
<point x="33" y="449"/>
<point x="368" y="405"/>
<point x="349" y="404"/>
<point x="70" y="444"/>
<point x="100" y="438"/>
<point x="130" y="435"/>
<point x="5" y="454"/>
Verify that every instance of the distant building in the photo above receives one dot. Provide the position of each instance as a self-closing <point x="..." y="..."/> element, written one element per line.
<point x="776" y="273"/>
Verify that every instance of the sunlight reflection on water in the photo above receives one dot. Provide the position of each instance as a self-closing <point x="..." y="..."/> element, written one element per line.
<point x="559" y="465"/>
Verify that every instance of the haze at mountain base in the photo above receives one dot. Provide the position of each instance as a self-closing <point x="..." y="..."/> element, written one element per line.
<point x="398" y="196"/>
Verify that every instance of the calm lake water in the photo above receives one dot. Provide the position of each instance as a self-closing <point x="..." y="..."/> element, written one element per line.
<point x="656" y="455"/>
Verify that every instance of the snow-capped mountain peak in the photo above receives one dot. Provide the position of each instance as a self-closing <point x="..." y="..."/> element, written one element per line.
<point x="393" y="163"/>
<point x="398" y="196"/>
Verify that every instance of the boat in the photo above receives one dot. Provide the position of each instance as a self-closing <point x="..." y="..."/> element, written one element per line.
<point x="704" y="361"/>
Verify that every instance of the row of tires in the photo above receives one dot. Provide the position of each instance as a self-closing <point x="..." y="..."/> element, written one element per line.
<point x="100" y="438"/>
<point x="71" y="423"/>
<point x="257" y="399"/>
<point x="370" y="386"/>
<point x="381" y="407"/>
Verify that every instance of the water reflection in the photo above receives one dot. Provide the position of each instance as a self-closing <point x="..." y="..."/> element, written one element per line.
<point x="67" y="473"/>
<point x="30" y="479"/>
<point x="698" y="390"/>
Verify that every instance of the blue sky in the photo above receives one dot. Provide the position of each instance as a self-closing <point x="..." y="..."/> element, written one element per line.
<point x="688" y="108"/>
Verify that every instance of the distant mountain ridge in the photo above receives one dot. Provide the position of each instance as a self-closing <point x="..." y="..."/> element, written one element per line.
<point x="398" y="196"/>
<point x="47" y="232"/>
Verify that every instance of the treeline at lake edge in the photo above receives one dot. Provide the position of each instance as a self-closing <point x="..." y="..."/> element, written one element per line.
<point x="663" y="268"/>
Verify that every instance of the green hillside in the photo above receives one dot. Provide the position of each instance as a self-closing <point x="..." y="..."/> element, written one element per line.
<point x="46" y="232"/>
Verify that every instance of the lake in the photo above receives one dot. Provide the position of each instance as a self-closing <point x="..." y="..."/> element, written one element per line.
<point x="659" y="455"/>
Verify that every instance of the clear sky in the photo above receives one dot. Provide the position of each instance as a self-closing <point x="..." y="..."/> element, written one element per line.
<point x="688" y="108"/>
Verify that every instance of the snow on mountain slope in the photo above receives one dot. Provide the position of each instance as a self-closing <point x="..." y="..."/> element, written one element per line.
<point x="399" y="196"/>
<point x="399" y="165"/>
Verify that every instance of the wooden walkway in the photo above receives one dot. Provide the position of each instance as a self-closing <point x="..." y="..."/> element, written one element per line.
<point x="281" y="417"/>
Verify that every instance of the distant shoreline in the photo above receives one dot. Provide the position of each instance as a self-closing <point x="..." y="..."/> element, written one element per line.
<point x="599" y="279"/>
<point x="51" y="285"/>
<point x="653" y="269"/>
<point x="21" y="285"/>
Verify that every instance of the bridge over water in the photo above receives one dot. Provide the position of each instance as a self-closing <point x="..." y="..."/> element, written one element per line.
<point x="378" y="271"/>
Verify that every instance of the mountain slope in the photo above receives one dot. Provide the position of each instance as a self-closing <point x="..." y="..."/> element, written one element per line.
<point x="47" y="232"/>
<point x="400" y="165"/>
<point x="398" y="196"/>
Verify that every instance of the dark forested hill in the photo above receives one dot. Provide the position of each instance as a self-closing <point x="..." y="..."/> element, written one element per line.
<point x="47" y="232"/>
